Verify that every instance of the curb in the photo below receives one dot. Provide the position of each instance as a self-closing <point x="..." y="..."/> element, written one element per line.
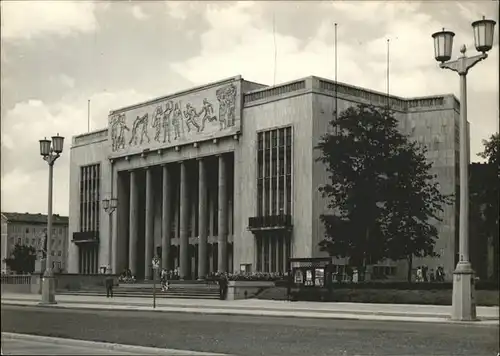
<point x="270" y="313"/>
<point x="128" y="305"/>
<point x="105" y="345"/>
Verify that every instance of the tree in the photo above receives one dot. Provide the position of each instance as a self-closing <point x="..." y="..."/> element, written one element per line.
<point x="380" y="193"/>
<point x="22" y="259"/>
<point x="413" y="205"/>
<point x="485" y="192"/>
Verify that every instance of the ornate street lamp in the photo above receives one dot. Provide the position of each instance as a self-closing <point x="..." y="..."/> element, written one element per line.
<point x="443" y="44"/>
<point x="110" y="205"/>
<point x="50" y="151"/>
<point x="463" y="305"/>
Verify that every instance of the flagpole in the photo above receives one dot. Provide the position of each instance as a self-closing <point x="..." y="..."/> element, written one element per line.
<point x="336" y="78"/>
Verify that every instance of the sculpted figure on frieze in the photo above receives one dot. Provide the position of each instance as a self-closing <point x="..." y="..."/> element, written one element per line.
<point x="166" y="121"/>
<point x="208" y="113"/>
<point x="227" y="105"/>
<point x="190" y="114"/>
<point x="177" y="120"/>
<point x="140" y="122"/>
<point x="157" y="121"/>
<point x="161" y="121"/>
<point x="118" y="128"/>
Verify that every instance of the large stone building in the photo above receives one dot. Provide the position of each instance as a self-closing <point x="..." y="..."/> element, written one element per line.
<point x="223" y="177"/>
<point x="31" y="230"/>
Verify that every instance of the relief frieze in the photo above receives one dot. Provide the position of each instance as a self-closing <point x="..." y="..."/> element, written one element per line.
<point x="203" y="114"/>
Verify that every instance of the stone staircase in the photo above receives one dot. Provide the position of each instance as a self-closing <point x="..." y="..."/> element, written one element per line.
<point x="177" y="289"/>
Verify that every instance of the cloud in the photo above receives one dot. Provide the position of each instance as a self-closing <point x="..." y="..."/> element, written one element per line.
<point x="202" y="42"/>
<point x="66" y="80"/>
<point x="29" y="19"/>
<point x="23" y="170"/>
<point x="240" y="42"/>
<point x="138" y="12"/>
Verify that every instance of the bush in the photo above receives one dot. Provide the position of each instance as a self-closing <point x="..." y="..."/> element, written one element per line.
<point x="480" y="285"/>
<point x="253" y="276"/>
<point x="391" y="296"/>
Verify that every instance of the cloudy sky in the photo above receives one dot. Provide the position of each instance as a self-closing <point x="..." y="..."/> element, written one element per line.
<point x="57" y="55"/>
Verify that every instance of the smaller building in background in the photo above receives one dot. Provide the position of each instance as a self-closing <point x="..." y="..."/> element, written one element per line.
<point x="30" y="230"/>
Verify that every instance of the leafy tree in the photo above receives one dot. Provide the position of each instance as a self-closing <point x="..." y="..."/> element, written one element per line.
<point x="22" y="259"/>
<point x="380" y="193"/>
<point x="485" y="191"/>
<point x="413" y="205"/>
<point x="491" y="152"/>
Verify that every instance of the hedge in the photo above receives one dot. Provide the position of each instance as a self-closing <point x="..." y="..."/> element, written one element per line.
<point x="480" y="285"/>
<point x="425" y="297"/>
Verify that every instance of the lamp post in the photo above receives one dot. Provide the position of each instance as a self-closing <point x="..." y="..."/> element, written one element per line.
<point x="50" y="151"/>
<point x="463" y="304"/>
<point x="109" y="205"/>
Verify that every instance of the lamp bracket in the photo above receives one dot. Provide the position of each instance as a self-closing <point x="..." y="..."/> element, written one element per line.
<point x="51" y="158"/>
<point x="110" y="210"/>
<point x="463" y="64"/>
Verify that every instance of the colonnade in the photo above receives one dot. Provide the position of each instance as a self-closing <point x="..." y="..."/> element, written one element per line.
<point x="176" y="200"/>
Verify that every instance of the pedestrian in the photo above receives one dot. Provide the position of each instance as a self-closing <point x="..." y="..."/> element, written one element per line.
<point x="419" y="274"/>
<point x="222" y="286"/>
<point x="289" y="281"/>
<point x="432" y="275"/>
<point x="164" y="280"/>
<point x="424" y="273"/>
<point x="441" y="274"/>
<point x="109" y="285"/>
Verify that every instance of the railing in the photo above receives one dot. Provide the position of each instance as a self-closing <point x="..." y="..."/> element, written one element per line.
<point x="90" y="137"/>
<point x="270" y="222"/>
<point x="16" y="279"/>
<point x="374" y="98"/>
<point x="426" y="102"/>
<point x="275" y="91"/>
<point x="86" y="236"/>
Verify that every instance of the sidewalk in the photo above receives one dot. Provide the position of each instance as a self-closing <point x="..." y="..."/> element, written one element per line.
<point x="255" y="307"/>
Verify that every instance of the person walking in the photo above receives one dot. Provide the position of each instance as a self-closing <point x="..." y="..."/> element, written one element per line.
<point x="109" y="285"/>
<point x="222" y="286"/>
<point x="164" y="280"/>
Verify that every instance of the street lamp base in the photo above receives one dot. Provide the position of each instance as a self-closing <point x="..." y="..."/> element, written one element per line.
<point x="48" y="288"/>
<point x="463" y="299"/>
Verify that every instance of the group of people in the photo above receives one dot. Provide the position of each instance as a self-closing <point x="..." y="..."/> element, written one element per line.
<point x="424" y="275"/>
<point x="126" y="276"/>
<point x="165" y="276"/>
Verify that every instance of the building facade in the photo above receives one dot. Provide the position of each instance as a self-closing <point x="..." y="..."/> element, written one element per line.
<point x="31" y="230"/>
<point x="223" y="177"/>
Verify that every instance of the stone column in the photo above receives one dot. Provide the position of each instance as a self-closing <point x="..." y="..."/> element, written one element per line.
<point x="270" y="243"/>
<point x="133" y="223"/>
<point x="120" y="225"/>
<point x="202" y="220"/>
<point x="222" y="218"/>
<point x="277" y="240"/>
<point x="184" y="221"/>
<point x="149" y="245"/>
<point x="263" y="253"/>
<point x="285" y="253"/>
<point x="165" y="218"/>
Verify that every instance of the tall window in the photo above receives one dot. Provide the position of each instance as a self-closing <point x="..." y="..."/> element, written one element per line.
<point x="274" y="172"/>
<point x="90" y="196"/>
<point x="90" y="189"/>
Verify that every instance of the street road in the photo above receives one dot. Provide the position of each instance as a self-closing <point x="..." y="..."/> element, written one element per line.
<point x="28" y="347"/>
<point x="243" y="335"/>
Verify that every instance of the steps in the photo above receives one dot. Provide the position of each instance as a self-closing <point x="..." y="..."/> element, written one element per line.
<point x="145" y="290"/>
